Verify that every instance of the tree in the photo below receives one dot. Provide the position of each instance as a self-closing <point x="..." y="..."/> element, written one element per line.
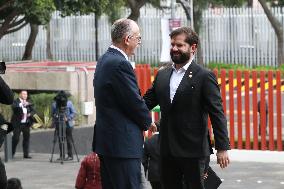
<point x="198" y="7"/>
<point x="10" y="17"/>
<point x="38" y="13"/>
<point x="15" y="14"/>
<point x="278" y="29"/>
<point x="135" y="6"/>
<point x="250" y="3"/>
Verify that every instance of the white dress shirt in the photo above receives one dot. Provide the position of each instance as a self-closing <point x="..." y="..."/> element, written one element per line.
<point x="25" y="111"/>
<point x="176" y="78"/>
<point x="114" y="47"/>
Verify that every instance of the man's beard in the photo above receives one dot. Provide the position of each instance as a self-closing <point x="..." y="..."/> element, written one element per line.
<point x="181" y="59"/>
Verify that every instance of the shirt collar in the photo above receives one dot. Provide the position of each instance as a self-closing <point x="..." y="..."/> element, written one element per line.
<point x="185" y="67"/>
<point x="114" y="47"/>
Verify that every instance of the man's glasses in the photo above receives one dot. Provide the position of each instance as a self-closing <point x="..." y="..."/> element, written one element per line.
<point x="138" y="38"/>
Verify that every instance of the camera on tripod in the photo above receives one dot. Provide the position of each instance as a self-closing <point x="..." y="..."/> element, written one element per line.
<point x="61" y="109"/>
<point x="61" y="100"/>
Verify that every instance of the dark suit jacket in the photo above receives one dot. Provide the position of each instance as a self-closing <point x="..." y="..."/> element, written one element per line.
<point x="184" y="131"/>
<point x="18" y="113"/>
<point x="6" y="94"/>
<point x="121" y="113"/>
<point x="151" y="158"/>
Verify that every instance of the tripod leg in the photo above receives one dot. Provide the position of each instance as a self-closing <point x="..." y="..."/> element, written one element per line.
<point x="62" y="139"/>
<point x="54" y="142"/>
<point x="75" y="149"/>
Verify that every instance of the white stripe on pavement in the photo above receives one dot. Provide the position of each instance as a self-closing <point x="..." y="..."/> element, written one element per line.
<point x="254" y="156"/>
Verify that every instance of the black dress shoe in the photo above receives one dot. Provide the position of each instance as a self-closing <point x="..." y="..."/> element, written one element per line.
<point x="28" y="157"/>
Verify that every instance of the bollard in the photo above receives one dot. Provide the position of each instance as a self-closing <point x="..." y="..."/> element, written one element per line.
<point x="8" y="147"/>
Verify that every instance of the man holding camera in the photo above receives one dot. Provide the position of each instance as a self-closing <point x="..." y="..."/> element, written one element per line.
<point x="22" y="120"/>
<point x="62" y="105"/>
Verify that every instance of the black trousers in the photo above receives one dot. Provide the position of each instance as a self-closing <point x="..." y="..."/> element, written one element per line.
<point x="25" y="129"/>
<point x="156" y="184"/>
<point x="176" y="171"/>
<point x="69" y="140"/>
<point x="120" y="173"/>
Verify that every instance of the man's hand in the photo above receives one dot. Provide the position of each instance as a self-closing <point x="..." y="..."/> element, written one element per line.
<point x="153" y="128"/>
<point x="223" y="158"/>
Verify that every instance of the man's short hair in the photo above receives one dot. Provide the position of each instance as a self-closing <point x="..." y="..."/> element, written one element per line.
<point x="191" y="36"/>
<point x="14" y="183"/>
<point x="120" y="29"/>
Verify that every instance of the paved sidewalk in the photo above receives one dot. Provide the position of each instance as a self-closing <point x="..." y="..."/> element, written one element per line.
<point x="248" y="170"/>
<point x="39" y="173"/>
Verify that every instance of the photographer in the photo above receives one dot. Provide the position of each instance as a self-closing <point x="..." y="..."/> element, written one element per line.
<point x="61" y="104"/>
<point x="6" y="97"/>
<point x="22" y="120"/>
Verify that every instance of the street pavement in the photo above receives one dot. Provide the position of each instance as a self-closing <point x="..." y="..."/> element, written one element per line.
<point x="248" y="170"/>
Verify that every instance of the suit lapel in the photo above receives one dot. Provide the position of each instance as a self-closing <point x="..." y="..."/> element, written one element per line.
<point x="167" y="81"/>
<point x="165" y="85"/>
<point x="187" y="79"/>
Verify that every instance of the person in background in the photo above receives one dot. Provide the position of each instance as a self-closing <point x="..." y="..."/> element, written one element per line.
<point x="22" y="120"/>
<point x="89" y="176"/>
<point x="14" y="183"/>
<point x="151" y="159"/>
<point x="69" y="116"/>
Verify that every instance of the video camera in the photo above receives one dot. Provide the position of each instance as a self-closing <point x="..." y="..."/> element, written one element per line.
<point x="61" y="100"/>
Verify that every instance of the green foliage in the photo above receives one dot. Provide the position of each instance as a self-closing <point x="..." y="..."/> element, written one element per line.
<point x="274" y="3"/>
<point x="6" y="111"/>
<point x="39" y="11"/>
<point x="114" y="10"/>
<point x="34" y="11"/>
<point x="42" y="101"/>
<point x="218" y="65"/>
<point x="154" y="3"/>
<point x="228" y="3"/>
<point x="281" y="67"/>
<point x="81" y="7"/>
<point x="45" y="122"/>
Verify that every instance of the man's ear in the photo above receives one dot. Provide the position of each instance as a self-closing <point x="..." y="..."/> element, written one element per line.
<point x="126" y="39"/>
<point x="193" y="48"/>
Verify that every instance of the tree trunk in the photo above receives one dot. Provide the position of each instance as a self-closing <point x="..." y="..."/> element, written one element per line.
<point x="197" y="20"/>
<point x="48" y="47"/>
<point x="135" y="6"/>
<point x="277" y="27"/>
<point x="250" y="3"/>
<point x="30" y="43"/>
<point x="97" y="37"/>
<point x="186" y="7"/>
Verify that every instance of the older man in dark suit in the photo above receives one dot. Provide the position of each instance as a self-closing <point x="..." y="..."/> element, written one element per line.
<point x="187" y="94"/>
<point x="121" y="113"/>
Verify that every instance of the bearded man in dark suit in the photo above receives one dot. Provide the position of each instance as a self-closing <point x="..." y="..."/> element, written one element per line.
<point x="187" y="94"/>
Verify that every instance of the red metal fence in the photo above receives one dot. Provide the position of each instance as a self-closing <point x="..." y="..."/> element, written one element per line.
<point x="246" y="95"/>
